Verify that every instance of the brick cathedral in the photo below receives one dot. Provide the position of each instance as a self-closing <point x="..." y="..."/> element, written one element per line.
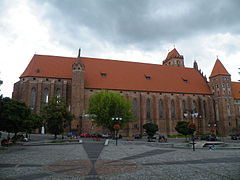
<point x="163" y="94"/>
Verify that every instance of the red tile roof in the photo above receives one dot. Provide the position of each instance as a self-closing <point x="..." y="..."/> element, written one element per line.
<point x="218" y="69"/>
<point x="173" y="53"/>
<point x="121" y="75"/>
<point x="236" y="90"/>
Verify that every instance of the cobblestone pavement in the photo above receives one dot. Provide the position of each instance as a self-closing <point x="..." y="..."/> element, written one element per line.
<point x="93" y="161"/>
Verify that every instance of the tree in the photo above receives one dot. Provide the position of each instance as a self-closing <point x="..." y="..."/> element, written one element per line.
<point x="34" y="121"/>
<point x="13" y="114"/>
<point x="105" y="105"/>
<point x="150" y="129"/>
<point x="56" y="115"/>
<point x="185" y="128"/>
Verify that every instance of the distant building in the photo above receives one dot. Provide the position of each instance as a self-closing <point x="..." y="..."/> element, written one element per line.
<point x="163" y="94"/>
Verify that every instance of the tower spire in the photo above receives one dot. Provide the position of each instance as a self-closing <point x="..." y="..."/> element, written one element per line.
<point x="195" y="65"/>
<point x="79" y="53"/>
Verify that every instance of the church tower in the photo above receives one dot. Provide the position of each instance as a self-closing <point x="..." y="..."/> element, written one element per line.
<point x="77" y="100"/>
<point x="220" y="84"/>
<point x="174" y="59"/>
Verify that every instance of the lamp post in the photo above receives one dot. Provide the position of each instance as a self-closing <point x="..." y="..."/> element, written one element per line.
<point x="212" y="126"/>
<point x="116" y="126"/>
<point x="192" y="125"/>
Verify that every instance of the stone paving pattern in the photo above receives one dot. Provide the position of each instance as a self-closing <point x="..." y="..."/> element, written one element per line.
<point x="93" y="161"/>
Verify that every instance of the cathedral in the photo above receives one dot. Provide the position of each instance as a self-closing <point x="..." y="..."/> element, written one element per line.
<point x="162" y="94"/>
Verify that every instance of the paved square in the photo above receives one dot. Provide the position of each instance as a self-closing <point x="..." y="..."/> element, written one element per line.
<point x="93" y="160"/>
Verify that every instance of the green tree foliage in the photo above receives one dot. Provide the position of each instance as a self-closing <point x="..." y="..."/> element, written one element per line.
<point x="150" y="129"/>
<point x="34" y="121"/>
<point x="56" y="115"/>
<point x="185" y="128"/>
<point x="16" y="116"/>
<point x="107" y="104"/>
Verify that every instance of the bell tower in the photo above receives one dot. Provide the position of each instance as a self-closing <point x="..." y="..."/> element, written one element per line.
<point x="221" y="86"/>
<point x="174" y="59"/>
<point x="77" y="100"/>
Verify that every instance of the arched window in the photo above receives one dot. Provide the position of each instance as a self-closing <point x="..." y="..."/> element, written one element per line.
<point x="172" y="109"/>
<point x="58" y="92"/>
<point x="134" y="107"/>
<point x="33" y="98"/>
<point x="204" y="109"/>
<point x="184" y="110"/>
<point x="194" y="107"/>
<point x="228" y="109"/>
<point x="148" y="109"/>
<point x="45" y="95"/>
<point x="160" y="109"/>
<point x="178" y="63"/>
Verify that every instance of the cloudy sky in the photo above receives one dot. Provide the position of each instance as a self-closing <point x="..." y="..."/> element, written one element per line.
<point x="131" y="30"/>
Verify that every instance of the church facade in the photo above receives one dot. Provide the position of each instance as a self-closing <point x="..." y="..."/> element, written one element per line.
<point x="162" y="94"/>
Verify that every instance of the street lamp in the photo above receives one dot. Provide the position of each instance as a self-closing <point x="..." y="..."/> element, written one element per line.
<point x="193" y="126"/>
<point x="212" y="126"/>
<point x="116" y="126"/>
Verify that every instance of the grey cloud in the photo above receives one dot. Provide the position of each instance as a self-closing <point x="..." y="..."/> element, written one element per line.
<point x="146" y="23"/>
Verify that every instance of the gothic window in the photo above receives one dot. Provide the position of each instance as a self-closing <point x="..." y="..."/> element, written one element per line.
<point x="194" y="107"/>
<point x="148" y="109"/>
<point x="204" y="109"/>
<point x="134" y="107"/>
<point x="58" y="92"/>
<point x="33" y="98"/>
<point x="228" y="109"/>
<point x="160" y="109"/>
<point x="172" y="109"/>
<point x="45" y="95"/>
<point x="183" y="106"/>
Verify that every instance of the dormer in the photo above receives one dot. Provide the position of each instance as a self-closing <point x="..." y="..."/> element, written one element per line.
<point x="174" y="59"/>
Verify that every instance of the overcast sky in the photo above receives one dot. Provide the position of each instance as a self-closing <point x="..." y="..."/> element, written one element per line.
<point x="131" y="30"/>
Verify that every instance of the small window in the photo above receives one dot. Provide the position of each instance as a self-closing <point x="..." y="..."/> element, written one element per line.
<point x="185" y="80"/>
<point x="47" y="79"/>
<point x="34" y="78"/>
<point x="148" y="77"/>
<point x="38" y="71"/>
<point x="103" y="74"/>
<point x="59" y="80"/>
